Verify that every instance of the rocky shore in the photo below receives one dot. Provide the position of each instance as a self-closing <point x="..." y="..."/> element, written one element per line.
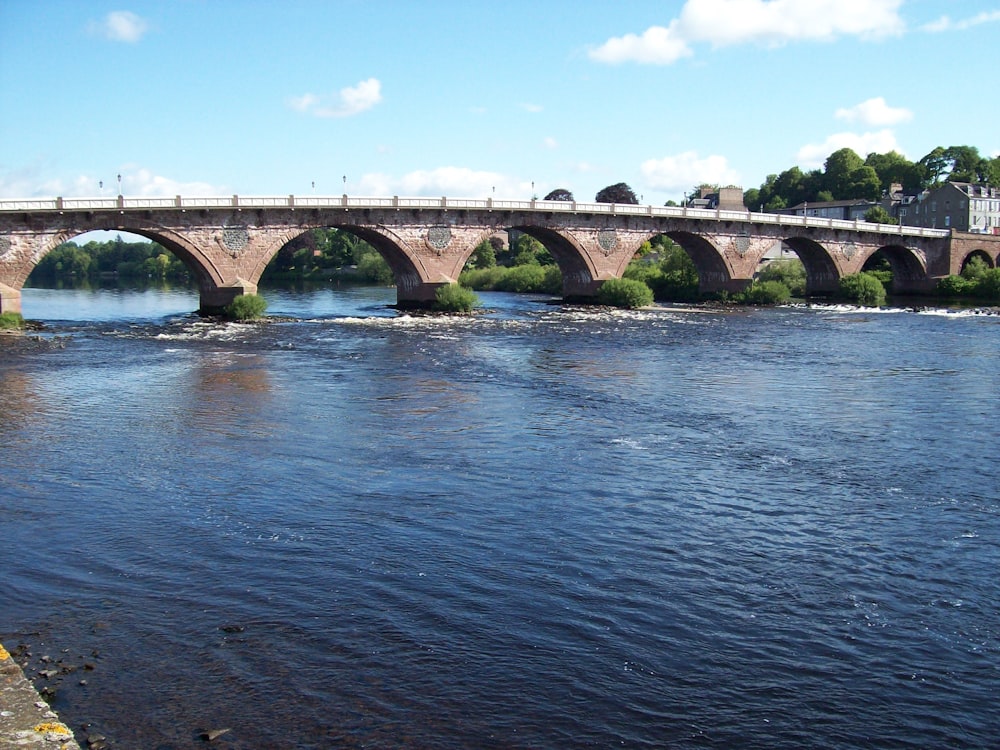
<point x="26" y="720"/>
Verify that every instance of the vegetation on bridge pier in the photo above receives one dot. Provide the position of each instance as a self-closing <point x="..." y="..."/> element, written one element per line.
<point x="10" y="321"/>
<point x="977" y="281"/>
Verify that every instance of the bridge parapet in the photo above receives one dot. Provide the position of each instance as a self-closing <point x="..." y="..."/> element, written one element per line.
<point x="228" y="241"/>
<point x="488" y="204"/>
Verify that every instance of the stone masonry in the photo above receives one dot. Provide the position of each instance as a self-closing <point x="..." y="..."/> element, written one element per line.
<point x="227" y="247"/>
<point x="26" y="721"/>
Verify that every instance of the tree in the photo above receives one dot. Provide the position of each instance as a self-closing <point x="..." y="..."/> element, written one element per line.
<point x="559" y="194"/>
<point x="838" y="173"/>
<point x="878" y="215"/>
<point x="795" y="186"/>
<point x="863" y="288"/>
<point x="936" y="165"/>
<point x="864" y="184"/>
<point x="989" y="171"/>
<point x="617" y="193"/>
<point x="628" y="293"/>
<point x="964" y="163"/>
<point x="893" y="167"/>
<point x="528" y="250"/>
<point x="484" y="256"/>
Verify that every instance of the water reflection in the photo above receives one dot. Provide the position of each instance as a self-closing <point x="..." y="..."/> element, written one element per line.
<point x="19" y="398"/>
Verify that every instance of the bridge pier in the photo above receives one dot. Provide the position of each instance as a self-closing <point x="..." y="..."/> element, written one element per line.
<point x="580" y="287"/>
<point x="212" y="300"/>
<point x="417" y="296"/>
<point x="10" y="299"/>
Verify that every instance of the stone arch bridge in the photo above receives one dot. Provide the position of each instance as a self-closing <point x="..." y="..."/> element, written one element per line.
<point x="228" y="241"/>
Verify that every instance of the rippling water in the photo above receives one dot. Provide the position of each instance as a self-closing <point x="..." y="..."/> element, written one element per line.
<point x="539" y="527"/>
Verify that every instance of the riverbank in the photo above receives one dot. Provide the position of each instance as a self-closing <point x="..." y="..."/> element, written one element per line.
<point x="25" y="719"/>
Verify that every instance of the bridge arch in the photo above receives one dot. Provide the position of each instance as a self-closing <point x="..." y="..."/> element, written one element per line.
<point x="403" y="262"/>
<point x="822" y="272"/>
<point x="981" y="255"/>
<point x="578" y="271"/>
<point x="714" y="272"/>
<point x="202" y="267"/>
<point x="908" y="270"/>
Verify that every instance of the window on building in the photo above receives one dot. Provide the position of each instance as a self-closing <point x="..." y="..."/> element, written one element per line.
<point x="947" y="220"/>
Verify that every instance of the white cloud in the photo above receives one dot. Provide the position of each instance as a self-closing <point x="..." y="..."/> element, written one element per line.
<point x="944" y="23"/>
<point x="874" y="112"/>
<point x="30" y="182"/>
<point x="657" y="45"/>
<point x="678" y="173"/>
<point x="350" y="100"/>
<point x="443" y="181"/>
<point x="550" y="143"/>
<point x="813" y="155"/>
<point x="143" y="183"/>
<point x="723" y="23"/>
<point x="121" y="26"/>
<point x="529" y="107"/>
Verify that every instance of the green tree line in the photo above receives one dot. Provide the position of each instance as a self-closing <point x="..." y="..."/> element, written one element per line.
<point x="845" y="175"/>
<point x="323" y="254"/>
<point x="126" y="260"/>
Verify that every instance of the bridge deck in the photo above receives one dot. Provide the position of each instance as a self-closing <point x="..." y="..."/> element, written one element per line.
<point x="120" y="203"/>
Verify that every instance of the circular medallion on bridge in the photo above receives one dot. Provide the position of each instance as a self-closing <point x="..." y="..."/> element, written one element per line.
<point x="235" y="238"/>
<point x="439" y="237"/>
<point x="849" y="250"/>
<point x="742" y="245"/>
<point x="607" y="239"/>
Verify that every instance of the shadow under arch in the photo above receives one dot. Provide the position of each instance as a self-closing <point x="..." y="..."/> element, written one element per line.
<point x="714" y="274"/>
<point x="981" y="255"/>
<point x="201" y="267"/>
<point x="822" y="276"/>
<point x="579" y="275"/>
<point x="407" y="271"/>
<point x="908" y="271"/>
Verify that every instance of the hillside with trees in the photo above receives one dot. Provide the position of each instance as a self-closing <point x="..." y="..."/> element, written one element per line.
<point x="845" y="176"/>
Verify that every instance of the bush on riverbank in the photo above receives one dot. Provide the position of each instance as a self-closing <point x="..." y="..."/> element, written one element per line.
<point x="981" y="285"/>
<point x="765" y="293"/>
<point x="862" y="288"/>
<point x="529" y="277"/>
<point x="627" y="293"/>
<point x="790" y="272"/>
<point x="455" y="298"/>
<point x="246" y="307"/>
<point x="672" y="276"/>
<point x="10" y="321"/>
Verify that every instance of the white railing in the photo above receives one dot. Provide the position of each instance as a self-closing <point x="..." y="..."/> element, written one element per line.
<point x="489" y="204"/>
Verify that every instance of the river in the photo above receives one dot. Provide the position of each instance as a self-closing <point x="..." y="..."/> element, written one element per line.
<point x="538" y="527"/>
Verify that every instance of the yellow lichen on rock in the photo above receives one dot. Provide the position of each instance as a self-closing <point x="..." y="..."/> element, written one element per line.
<point x="49" y="727"/>
<point x="3" y="653"/>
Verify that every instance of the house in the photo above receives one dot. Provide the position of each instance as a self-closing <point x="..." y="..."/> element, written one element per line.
<point x="848" y="210"/>
<point x="962" y="206"/>
<point x="898" y="203"/>
<point x="727" y="199"/>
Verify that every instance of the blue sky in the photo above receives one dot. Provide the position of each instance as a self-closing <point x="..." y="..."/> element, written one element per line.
<point x="471" y="99"/>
